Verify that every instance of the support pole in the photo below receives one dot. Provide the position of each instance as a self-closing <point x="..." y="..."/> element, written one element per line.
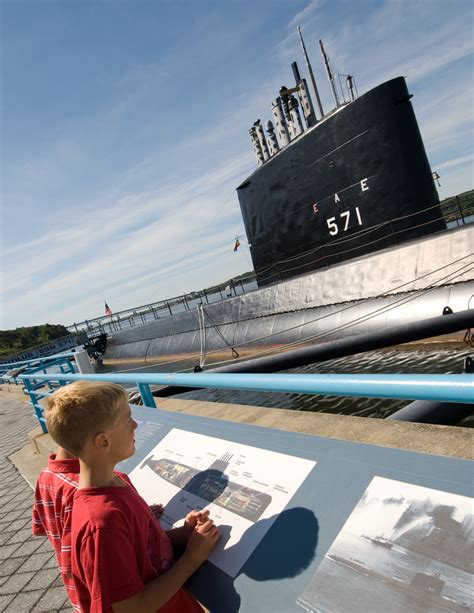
<point x="147" y="396"/>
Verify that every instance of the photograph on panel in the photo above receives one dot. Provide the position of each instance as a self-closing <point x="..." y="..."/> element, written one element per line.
<point x="403" y="548"/>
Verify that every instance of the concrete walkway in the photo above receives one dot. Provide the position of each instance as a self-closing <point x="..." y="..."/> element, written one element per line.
<point x="29" y="577"/>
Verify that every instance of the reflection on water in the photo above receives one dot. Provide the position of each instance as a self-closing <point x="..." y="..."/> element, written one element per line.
<point x="396" y="361"/>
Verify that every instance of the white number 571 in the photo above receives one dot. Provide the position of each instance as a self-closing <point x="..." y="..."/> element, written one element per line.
<point x="345" y="216"/>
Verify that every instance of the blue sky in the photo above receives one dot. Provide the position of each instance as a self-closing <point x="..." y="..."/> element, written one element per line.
<point x="124" y="131"/>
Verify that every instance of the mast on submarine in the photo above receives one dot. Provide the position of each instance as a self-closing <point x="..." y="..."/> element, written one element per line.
<point x="287" y="124"/>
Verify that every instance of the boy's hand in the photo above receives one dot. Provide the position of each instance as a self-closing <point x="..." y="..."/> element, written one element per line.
<point x="195" y="518"/>
<point x="157" y="510"/>
<point x="202" y="542"/>
<point x="179" y="536"/>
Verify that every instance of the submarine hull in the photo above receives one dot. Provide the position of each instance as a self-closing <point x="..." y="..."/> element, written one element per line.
<point x="392" y="287"/>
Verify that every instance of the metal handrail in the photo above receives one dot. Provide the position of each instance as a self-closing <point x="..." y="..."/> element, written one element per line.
<point x="444" y="388"/>
<point x="440" y="388"/>
<point x="162" y="308"/>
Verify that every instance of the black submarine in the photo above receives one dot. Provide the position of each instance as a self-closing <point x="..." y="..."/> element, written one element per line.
<point x="345" y="232"/>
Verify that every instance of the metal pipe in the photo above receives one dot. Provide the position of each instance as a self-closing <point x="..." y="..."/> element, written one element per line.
<point x="311" y="75"/>
<point x="444" y="388"/>
<point x="272" y="139"/>
<point x="406" y="333"/>
<point x="307" y="104"/>
<point x="295" y="116"/>
<point x="442" y="413"/>
<point x="329" y="74"/>
<point x="147" y="396"/>
<point x="280" y="122"/>
<point x="257" y="149"/>
<point x="262" y="140"/>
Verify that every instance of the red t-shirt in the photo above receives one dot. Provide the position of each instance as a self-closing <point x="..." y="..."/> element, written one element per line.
<point x="54" y="493"/>
<point x="117" y="547"/>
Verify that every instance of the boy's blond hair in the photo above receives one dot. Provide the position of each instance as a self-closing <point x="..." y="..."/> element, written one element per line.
<point x="80" y="410"/>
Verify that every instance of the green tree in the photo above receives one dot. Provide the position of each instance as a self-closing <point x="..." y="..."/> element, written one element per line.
<point x="13" y="341"/>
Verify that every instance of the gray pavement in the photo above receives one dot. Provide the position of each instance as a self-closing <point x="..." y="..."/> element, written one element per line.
<point x="29" y="577"/>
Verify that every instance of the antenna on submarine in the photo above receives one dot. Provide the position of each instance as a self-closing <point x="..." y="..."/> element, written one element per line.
<point x="311" y="75"/>
<point x="330" y="74"/>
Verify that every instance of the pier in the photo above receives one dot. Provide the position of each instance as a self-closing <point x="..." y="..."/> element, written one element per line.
<point x="346" y="450"/>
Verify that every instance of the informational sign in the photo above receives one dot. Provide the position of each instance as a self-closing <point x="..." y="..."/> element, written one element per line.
<point x="239" y="484"/>
<point x="311" y="523"/>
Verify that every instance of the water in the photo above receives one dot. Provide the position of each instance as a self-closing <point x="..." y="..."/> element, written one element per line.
<point x="459" y="222"/>
<point x="426" y="359"/>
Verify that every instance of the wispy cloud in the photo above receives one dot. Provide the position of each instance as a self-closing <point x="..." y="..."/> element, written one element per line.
<point x="133" y="198"/>
<point x="456" y="162"/>
<point x="305" y="14"/>
<point x="105" y="253"/>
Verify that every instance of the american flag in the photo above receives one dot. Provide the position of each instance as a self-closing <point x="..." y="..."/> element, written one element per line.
<point x="108" y="310"/>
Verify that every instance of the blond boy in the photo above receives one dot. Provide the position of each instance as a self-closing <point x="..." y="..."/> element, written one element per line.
<point x="122" y="559"/>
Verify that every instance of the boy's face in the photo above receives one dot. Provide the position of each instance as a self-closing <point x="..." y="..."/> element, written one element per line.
<point x="121" y="434"/>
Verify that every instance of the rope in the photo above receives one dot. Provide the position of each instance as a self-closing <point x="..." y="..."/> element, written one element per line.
<point x="202" y="334"/>
<point x="234" y="352"/>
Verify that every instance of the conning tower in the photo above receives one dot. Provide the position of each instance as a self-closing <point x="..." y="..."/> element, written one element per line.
<point x="338" y="186"/>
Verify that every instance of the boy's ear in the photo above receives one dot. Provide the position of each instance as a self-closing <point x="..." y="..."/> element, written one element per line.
<point x="101" y="441"/>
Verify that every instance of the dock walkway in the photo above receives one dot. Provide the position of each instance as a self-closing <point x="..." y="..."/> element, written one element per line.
<point x="29" y="576"/>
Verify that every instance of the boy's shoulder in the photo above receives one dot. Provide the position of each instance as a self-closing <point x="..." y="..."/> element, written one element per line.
<point x="108" y="507"/>
<point x="53" y="479"/>
<point x="62" y="471"/>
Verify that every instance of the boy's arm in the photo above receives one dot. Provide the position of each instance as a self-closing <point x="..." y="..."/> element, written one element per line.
<point x="159" y="590"/>
<point x="37" y="526"/>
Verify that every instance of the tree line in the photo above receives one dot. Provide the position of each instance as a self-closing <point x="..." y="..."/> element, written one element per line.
<point x="13" y="341"/>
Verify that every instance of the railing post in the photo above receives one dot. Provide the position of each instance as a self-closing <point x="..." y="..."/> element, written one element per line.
<point x="34" y="403"/>
<point x="460" y="211"/>
<point x="169" y="308"/>
<point x="46" y="372"/>
<point x="147" y="396"/>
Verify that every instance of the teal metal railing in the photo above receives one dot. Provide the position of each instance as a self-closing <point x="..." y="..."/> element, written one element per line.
<point x="40" y="373"/>
<point x="444" y="388"/>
